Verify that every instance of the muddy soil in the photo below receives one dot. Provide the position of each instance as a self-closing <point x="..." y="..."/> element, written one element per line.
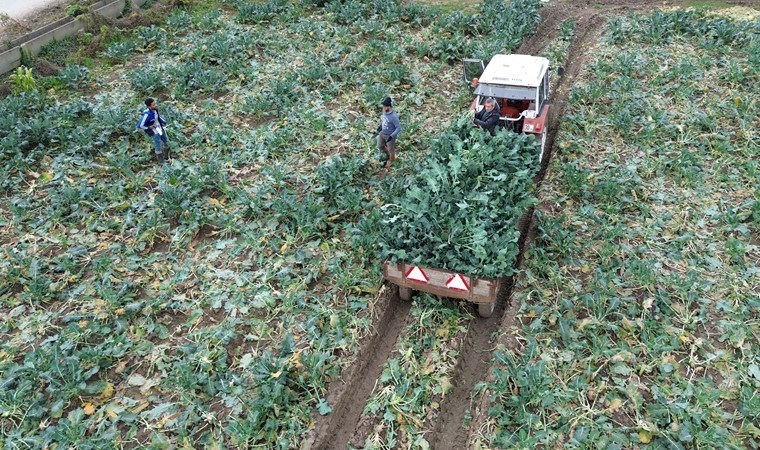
<point x="348" y="396"/>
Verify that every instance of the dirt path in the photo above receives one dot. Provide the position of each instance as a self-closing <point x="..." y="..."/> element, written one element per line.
<point x="17" y="10"/>
<point x="20" y="17"/>
<point x="349" y="397"/>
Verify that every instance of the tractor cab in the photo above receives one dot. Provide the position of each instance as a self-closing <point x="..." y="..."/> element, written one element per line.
<point x="520" y="86"/>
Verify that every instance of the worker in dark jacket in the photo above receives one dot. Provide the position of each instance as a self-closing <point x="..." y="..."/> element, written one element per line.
<point x="153" y="124"/>
<point x="488" y="117"/>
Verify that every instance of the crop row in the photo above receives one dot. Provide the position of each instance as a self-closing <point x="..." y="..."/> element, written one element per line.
<point x="638" y="302"/>
<point x="211" y="300"/>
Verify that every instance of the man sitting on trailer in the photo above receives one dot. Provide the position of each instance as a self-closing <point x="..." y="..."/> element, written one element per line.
<point x="488" y="117"/>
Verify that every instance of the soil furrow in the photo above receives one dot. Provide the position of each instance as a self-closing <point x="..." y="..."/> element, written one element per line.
<point x="348" y="398"/>
<point x="474" y="361"/>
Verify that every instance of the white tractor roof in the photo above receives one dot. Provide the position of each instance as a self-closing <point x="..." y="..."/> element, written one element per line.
<point x="515" y="70"/>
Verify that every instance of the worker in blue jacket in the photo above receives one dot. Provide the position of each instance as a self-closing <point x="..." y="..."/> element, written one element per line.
<point x="153" y="124"/>
<point x="388" y="130"/>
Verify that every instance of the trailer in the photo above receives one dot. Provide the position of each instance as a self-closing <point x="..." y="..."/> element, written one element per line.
<point x="520" y="86"/>
<point x="443" y="283"/>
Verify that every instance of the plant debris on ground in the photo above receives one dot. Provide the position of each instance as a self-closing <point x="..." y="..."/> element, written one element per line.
<point x="209" y="301"/>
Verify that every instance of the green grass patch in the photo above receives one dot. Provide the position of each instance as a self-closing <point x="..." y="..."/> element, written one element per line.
<point x="451" y="5"/>
<point x="707" y="4"/>
<point x="59" y="52"/>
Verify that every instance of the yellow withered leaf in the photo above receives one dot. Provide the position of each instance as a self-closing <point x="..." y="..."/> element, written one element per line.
<point x="107" y="391"/>
<point x="140" y="406"/>
<point x="446" y="385"/>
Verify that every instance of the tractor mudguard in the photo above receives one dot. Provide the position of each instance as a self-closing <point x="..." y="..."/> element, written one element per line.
<point x="537" y="124"/>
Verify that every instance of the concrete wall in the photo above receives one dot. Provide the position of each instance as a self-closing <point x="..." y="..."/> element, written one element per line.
<point x="69" y="26"/>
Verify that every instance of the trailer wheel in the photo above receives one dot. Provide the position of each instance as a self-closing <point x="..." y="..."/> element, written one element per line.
<point x="405" y="293"/>
<point x="486" y="309"/>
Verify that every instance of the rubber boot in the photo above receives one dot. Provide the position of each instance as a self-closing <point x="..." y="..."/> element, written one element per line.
<point x="160" y="158"/>
<point x="167" y="154"/>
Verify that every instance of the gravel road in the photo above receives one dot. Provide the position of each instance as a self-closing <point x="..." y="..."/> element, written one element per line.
<point x="21" y="9"/>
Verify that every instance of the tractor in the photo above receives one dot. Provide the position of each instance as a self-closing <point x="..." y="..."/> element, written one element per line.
<point x="520" y="86"/>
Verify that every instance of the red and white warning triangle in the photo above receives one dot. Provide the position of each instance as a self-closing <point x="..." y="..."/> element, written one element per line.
<point x="416" y="274"/>
<point x="458" y="283"/>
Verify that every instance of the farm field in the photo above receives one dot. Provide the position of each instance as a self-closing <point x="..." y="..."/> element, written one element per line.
<point x="636" y="315"/>
<point x="209" y="302"/>
<point x="234" y="299"/>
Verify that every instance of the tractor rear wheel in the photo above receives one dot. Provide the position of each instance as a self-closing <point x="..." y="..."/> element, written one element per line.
<point x="486" y="309"/>
<point x="405" y="293"/>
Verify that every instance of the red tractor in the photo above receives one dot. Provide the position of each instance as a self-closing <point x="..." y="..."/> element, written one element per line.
<point x="520" y="86"/>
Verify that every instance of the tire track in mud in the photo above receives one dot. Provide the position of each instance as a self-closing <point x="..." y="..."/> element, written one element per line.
<point x="348" y="398"/>
<point x="475" y="359"/>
